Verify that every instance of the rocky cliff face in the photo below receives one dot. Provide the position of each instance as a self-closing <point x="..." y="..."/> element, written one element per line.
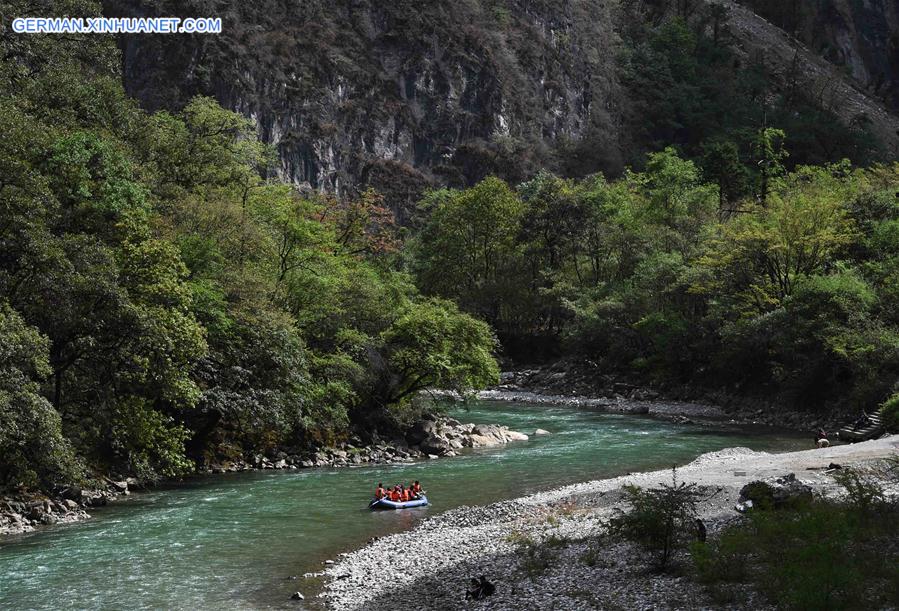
<point x="860" y="37"/>
<point x="403" y="95"/>
<point x="398" y="94"/>
<point x="795" y="65"/>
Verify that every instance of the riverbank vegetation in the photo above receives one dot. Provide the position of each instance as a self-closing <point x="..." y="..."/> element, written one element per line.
<point x="661" y="520"/>
<point x="814" y="554"/>
<point x="789" y="291"/>
<point x="794" y="547"/>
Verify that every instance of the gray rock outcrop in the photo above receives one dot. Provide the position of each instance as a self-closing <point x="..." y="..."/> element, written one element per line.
<point x="775" y="492"/>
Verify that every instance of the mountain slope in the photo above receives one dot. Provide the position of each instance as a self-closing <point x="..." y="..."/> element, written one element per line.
<point x="797" y="66"/>
<point x="862" y="38"/>
<point x="401" y="96"/>
<point x="390" y="93"/>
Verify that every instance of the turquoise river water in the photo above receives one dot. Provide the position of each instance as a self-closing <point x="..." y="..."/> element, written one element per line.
<point x="234" y="541"/>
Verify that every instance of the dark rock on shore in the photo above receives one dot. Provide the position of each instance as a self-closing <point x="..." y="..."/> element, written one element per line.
<point x="434" y="444"/>
<point x="420" y="431"/>
<point x="24" y="513"/>
<point x="775" y="492"/>
<point x="432" y="436"/>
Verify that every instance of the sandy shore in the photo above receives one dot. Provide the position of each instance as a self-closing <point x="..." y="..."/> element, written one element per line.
<point x="444" y="552"/>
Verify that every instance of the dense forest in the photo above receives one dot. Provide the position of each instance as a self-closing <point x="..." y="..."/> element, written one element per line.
<point x="791" y="290"/>
<point x="161" y="296"/>
<point x="166" y="296"/>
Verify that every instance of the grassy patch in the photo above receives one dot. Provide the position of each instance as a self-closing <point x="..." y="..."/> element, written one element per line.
<point x="592" y="556"/>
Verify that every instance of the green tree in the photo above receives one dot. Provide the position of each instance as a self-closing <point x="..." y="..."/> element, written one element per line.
<point x="722" y="166"/>
<point x="770" y="154"/>
<point x="756" y="258"/>
<point x="33" y="451"/>
<point x="433" y="345"/>
<point x="468" y="250"/>
<point x="677" y="202"/>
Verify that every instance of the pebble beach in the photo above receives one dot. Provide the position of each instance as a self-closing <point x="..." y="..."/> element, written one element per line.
<point x="578" y="568"/>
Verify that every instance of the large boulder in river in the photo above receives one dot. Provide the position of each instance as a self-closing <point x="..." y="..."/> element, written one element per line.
<point x="541" y="432"/>
<point x="420" y="431"/>
<point x="435" y="444"/>
<point x="489" y="435"/>
<point x="490" y="431"/>
<point x="479" y="441"/>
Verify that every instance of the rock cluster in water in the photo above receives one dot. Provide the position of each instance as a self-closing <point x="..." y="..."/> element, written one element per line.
<point x="25" y="513"/>
<point x="431" y="437"/>
<point x="443" y="436"/>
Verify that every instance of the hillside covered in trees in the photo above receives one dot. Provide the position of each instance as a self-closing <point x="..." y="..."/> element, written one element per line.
<point x="168" y="293"/>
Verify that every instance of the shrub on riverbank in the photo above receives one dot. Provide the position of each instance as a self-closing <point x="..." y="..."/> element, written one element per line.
<point x="661" y="520"/>
<point x="820" y="554"/>
<point x="890" y="414"/>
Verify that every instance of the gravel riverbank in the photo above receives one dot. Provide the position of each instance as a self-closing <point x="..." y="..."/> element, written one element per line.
<point x="572" y="569"/>
<point x="579" y="383"/>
